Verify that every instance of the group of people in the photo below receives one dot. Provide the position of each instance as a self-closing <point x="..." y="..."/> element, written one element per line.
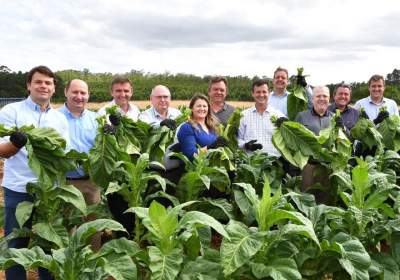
<point x="79" y="127"/>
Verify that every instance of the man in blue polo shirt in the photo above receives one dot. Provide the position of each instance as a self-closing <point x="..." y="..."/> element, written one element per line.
<point x="375" y="101"/>
<point x="82" y="130"/>
<point x="35" y="110"/>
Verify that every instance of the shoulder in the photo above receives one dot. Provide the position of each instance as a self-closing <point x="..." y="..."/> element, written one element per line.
<point x="174" y="111"/>
<point x="275" y="112"/>
<point x="362" y="101"/>
<point x="229" y="107"/>
<point x="247" y="111"/>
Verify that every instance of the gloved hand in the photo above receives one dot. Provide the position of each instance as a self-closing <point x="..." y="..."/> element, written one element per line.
<point x="363" y="114"/>
<point x="115" y="119"/>
<point x="252" y="145"/>
<point x="171" y="124"/>
<point x="18" y="139"/>
<point x="301" y="80"/>
<point x="280" y="121"/>
<point x="109" y="129"/>
<point x="219" y="142"/>
<point x="339" y="122"/>
<point x="381" y="117"/>
<point x="358" y="149"/>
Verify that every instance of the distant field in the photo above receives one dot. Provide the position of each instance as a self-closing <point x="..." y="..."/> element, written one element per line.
<point x="142" y="104"/>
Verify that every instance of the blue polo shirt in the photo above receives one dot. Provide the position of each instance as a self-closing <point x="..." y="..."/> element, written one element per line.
<point x="16" y="169"/>
<point x="82" y="132"/>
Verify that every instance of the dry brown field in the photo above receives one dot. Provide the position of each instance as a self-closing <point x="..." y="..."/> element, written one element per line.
<point x="143" y="104"/>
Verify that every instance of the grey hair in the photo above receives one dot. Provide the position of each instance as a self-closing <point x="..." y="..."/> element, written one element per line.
<point x="324" y="89"/>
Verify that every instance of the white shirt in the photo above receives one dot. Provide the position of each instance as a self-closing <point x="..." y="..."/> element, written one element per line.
<point x="152" y="117"/>
<point x="372" y="109"/>
<point x="279" y="102"/>
<point x="133" y="111"/>
<point x="256" y="126"/>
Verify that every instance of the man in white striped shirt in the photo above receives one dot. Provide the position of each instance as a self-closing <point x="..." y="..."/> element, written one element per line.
<point x="256" y="128"/>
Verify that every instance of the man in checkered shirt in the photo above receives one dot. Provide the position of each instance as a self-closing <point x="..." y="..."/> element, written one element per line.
<point x="256" y="128"/>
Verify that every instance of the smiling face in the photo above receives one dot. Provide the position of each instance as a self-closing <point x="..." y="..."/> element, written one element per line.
<point x="217" y="92"/>
<point x="280" y="81"/>
<point x="77" y="95"/>
<point x="200" y="110"/>
<point x="261" y="95"/>
<point x="41" y="88"/>
<point x="376" y="89"/>
<point x="342" y="97"/>
<point x="122" y="93"/>
<point x="160" y="98"/>
<point x="320" y="99"/>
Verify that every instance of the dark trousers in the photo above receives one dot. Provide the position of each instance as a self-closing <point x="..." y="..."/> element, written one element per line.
<point x="11" y="200"/>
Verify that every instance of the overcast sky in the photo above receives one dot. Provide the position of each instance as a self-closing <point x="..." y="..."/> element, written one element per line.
<point x="334" y="40"/>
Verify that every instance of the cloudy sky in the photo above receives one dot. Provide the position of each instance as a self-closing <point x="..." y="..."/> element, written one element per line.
<point x="334" y="40"/>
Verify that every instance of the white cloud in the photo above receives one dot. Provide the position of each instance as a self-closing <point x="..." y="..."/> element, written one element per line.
<point x="334" y="40"/>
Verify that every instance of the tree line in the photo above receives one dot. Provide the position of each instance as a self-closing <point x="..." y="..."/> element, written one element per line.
<point x="182" y="86"/>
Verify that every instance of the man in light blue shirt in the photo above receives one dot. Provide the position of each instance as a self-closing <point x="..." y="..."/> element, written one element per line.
<point x="375" y="101"/>
<point x="160" y="113"/>
<point x="35" y="110"/>
<point x="82" y="126"/>
<point x="279" y="96"/>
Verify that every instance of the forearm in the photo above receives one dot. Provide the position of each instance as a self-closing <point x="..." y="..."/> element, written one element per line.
<point x="7" y="149"/>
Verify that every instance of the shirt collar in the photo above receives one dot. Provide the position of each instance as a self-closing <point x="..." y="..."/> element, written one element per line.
<point x="157" y="114"/>
<point x="34" y="106"/>
<point x="268" y="109"/>
<point x="65" y="109"/>
<point x="382" y="102"/>
<point x="283" y="95"/>
<point x="334" y="107"/>
<point x="316" y="114"/>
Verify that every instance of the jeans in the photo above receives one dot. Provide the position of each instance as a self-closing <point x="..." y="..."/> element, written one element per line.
<point x="11" y="200"/>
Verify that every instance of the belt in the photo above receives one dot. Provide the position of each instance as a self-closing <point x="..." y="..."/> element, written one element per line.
<point x="79" y="178"/>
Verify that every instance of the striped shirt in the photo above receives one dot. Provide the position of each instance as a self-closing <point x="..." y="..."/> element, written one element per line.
<point x="256" y="126"/>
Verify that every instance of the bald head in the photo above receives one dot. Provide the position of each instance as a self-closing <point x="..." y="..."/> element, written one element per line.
<point x="77" y="94"/>
<point x="160" y="98"/>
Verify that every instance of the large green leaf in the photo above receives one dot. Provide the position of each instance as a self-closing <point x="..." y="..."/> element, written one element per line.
<point x="277" y="269"/>
<point x="164" y="266"/>
<point x="195" y="217"/>
<point x="23" y="212"/>
<point x="85" y="231"/>
<point x="120" y="267"/>
<point x="352" y="255"/>
<point x="296" y="102"/>
<point x="388" y="267"/>
<point x="73" y="196"/>
<point x="47" y="232"/>
<point x="28" y="258"/>
<point x="389" y="129"/>
<point x="244" y="243"/>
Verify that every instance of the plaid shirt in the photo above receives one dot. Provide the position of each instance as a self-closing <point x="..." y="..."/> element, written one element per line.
<point x="256" y="126"/>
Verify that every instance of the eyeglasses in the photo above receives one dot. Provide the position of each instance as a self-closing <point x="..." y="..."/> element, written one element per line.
<point x="162" y="96"/>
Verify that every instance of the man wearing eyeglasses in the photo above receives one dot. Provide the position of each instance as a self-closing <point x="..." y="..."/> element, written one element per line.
<point x="341" y="97"/>
<point x="160" y="114"/>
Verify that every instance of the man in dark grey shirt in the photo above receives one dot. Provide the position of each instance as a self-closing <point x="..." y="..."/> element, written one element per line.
<point x="217" y="92"/>
<point x="318" y="117"/>
<point x="341" y="97"/>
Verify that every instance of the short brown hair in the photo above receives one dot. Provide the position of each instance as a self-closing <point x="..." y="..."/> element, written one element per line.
<point x="120" y="80"/>
<point x="376" y="78"/>
<point x="42" y="70"/>
<point x="280" y="69"/>
<point x="341" y="85"/>
<point x="258" y="83"/>
<point x="218" y="79"/>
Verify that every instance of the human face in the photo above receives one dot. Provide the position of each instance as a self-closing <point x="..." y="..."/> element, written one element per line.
<point x="280" y="81"/>
<point x="261" y="95"/>
<point x="320" y="101"/>
<point x="122" y="93"/>
<point x="161" y="99"/>
<point x="217" y="92"/>
<point x="77" y="95"/>
<point x="376" y="89"/>
<point x="200" y="110"/>
<point x="41" y="88"/>
<point x="342" y="97"/>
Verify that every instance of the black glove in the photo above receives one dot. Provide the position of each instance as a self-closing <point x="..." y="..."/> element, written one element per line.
<point x="219" y="142"/>
<point x="252" y="145"/>
<point x="18" y="139"/>
<point x="358" y="149"/>
<point x="176" y="148"/>
<point x="109" y="129"/>
<point x="381" y="117"/>
<point x="363" y="114"/>
<point x="280" y="121"/>
<point x="171" y="124"/>
<point x="301" y="80"/>
<point x="339" y="122"/>
<point x="115" y="119"/>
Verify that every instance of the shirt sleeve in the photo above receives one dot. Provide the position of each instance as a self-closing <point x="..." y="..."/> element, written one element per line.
<point x="7" y="118"/>
<point x="187" y="140"/>
<point x="242" y="131"/>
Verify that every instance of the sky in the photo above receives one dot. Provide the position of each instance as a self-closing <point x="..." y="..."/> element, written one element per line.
<point x="334" y="40"/>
